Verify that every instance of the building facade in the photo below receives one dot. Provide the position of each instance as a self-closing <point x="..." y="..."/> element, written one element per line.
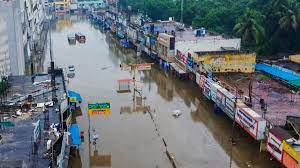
<point x="11" y="38"/>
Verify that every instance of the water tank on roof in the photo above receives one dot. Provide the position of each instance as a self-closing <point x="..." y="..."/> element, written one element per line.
<point x="200" y="32"/>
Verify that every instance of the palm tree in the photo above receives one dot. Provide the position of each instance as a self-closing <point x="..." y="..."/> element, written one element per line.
<point x="249" y="29"/>
<point x="289" y="19"/>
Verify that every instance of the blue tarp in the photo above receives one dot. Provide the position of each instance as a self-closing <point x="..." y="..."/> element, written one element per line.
<point x="75" y="94"/>
<point x="279" y="72"/>
<point x="74" y="130"/>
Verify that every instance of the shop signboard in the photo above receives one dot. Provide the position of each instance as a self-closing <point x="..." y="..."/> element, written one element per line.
<point x="274" y="146"/>
<point x="290" y="150"/>
<point x="206" y="89"/>
<point x="225" y="100"/>
<point x="250" y="121"/>
<point x="289" y="161"/>
<point x="99" y="109"/>
<point x="73" y="105"/>
<point x="73" y="99"/>
<point x="68" y="121"/>
<point x="214" y="87"/>
<point x="202" y="81"/>
<point x="142" y="67"/>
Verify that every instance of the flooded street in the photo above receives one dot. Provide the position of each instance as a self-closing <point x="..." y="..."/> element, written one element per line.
<point x="198" y="138"/>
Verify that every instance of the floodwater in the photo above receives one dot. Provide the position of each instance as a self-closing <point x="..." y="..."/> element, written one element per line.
<point x="198" y="138"/>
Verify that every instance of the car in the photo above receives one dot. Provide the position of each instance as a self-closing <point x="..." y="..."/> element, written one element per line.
<point x="71" y="68"/>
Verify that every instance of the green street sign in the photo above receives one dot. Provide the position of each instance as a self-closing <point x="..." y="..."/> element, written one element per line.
<point x="99" y="106"/>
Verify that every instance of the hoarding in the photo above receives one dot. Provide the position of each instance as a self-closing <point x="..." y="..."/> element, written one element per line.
<point x="202" y="81"/>
<point x="226" y="101"/>
<point x="291" y="151"/>
<point x="214" y="87"/>
<point x="99" y="109"/>
<point x="206" y="88"/>
<point x="250" y="121"/>
<point x="142" y="67"/>
<point x="274" y="146"/>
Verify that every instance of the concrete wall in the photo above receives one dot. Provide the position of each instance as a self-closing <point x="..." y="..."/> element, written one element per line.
<point x="11" y="15"/>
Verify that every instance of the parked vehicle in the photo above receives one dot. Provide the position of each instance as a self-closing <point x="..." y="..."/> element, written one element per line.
<point x="71" y="68"/>
<point x="80" y="37"/>
<point x="71" y="39"/>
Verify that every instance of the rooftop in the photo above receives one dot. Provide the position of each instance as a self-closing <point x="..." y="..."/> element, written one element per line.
<point x="18" y="125"/>
<point x="281" y="101"/>
<point x="209" y="44"/>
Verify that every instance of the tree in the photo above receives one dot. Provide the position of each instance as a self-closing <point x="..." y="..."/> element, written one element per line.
<point x="249" y="28"/>
<point x="289" y="17"/>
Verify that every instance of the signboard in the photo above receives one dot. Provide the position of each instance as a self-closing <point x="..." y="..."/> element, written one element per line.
<point x="36" y="131"/>
<point x="226" y="101"/>
<point x="142" y="67"/>
<point x="274" y="146"/>
<point x="291" y="151"/>
<point x="73" y="99"/>
<point x="206" y="89"/>
<point x="99" y="109"/>
<point x="68" y="120"/>
<point x="72" y="105"/>
<point x="202" y="81"/>
<point x="250" y="121"/>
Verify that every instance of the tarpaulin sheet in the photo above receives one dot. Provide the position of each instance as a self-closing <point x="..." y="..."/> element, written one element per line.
<point x="295" y="83"/>
<point x="75" y="94"/>
<point x="279" y="72"/>
<point x="74" y="130"/>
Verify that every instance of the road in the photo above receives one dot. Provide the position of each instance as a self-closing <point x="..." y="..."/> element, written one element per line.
<point x="198" y="138"/>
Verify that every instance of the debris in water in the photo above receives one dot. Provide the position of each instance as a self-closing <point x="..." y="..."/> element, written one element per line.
<point x="104" y="68"/>
<point x="176" y="113"/>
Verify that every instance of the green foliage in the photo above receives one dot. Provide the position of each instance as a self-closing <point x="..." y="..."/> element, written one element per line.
<point x="266" y="26"/>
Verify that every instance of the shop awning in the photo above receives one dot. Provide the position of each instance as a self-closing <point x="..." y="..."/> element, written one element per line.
<point x="177" y="68"/>
<point x="72" y="94"/>
<point x="74" y="130"/>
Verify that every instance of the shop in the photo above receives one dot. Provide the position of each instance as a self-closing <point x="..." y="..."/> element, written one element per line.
<point x="166" y="47"/>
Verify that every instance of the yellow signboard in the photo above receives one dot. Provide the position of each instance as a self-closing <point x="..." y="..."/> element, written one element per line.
<point x="94" y="112"/>
<point x="68" y="121"/>
<point x="291" y="151"/>
<point x="73" y="99"/>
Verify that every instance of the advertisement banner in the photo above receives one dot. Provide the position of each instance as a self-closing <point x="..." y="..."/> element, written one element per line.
<point x="251" y="122"/>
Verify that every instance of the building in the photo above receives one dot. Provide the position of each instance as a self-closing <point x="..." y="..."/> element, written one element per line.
<point x="214" y="54"/>
<point x="61" y="5"/>
<point x="12" y="38"/>
<point x="166" y="47"/>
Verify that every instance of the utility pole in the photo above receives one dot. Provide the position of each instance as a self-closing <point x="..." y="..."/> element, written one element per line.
<point x="181" y="17"/>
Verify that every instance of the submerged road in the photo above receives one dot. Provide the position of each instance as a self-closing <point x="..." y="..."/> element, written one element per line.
<point x="198" y="138"/>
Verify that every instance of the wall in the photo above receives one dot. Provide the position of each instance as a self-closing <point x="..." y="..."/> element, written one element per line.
<point x="295" y="58"/>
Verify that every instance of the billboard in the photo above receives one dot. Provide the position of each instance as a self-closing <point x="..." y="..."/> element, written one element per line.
<point x="250" y="121"/>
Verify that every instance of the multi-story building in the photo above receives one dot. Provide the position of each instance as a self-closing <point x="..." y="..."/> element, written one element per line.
<point x="12" y="60"/>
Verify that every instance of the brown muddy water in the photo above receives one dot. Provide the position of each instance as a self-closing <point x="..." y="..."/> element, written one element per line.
<point x="199" y="138"/>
